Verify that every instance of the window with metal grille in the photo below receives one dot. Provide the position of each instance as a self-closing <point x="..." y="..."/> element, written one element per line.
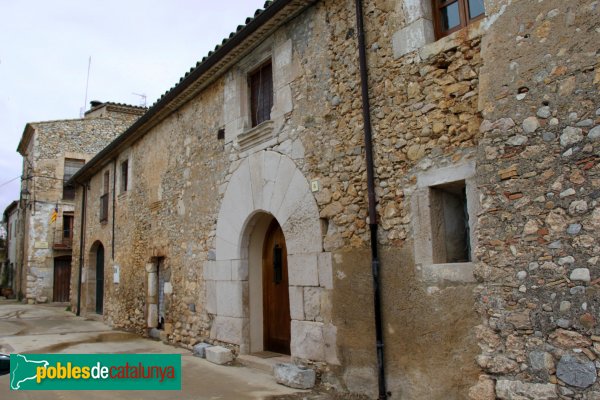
<point x="71" y="167"/>
<point x="104" y="198"/>
<point x="124" y="175"/>
<point x="452" y="15"/>
<point x="261" y="93"/>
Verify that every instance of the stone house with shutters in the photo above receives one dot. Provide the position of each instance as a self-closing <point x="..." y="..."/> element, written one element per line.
<point x="243" y="208"/>
<point x="52" y="152"/>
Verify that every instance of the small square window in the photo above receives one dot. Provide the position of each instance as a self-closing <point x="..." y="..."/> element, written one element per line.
<point x="261" y="94"/>
<point x="450" y="223"/>
<point x="444" y="206"/>
<point x="452" y="15"/>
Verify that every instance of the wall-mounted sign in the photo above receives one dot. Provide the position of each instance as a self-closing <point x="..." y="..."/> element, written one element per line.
<point x="116" y="270"/>
<point x="41" y="245"/>
<point x="315" y="186"/>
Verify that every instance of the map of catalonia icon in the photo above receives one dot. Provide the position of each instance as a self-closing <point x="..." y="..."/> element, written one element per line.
<point x="24" y="369"/>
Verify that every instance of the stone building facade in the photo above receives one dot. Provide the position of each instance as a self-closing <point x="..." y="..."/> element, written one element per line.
<point x="8" y="274"/>
<point x="486" y="146"/>
<point x="52" y="152"/>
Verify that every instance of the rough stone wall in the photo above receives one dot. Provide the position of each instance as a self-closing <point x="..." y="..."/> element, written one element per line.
<point x="538" y="173"/>
<point x="168" y="211"/>
<point x="428" y="108"/>
<point x="50" y="144"/>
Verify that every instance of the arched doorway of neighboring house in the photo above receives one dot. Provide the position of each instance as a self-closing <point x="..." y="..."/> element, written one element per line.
<point x="62" y="278"/>
<point x="276" y="300"/>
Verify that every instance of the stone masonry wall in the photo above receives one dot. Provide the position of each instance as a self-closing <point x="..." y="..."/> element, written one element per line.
<point x="538" y="162"/>
<point x="51" y="143"/>
<point x="466" y="100"/>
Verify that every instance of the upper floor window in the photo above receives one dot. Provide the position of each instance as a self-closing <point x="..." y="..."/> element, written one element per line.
<point x="452" y="15"/>
<point x="124" y="175"/>
<point x="71" y="167"/>
<point x="261" y="93"/>
<point x="104" y="198"/>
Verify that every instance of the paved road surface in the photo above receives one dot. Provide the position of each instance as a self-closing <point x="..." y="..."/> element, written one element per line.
<point x="50" y="329"/>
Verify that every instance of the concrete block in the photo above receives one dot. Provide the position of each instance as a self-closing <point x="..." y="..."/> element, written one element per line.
<point x="222" y="270"/>
<point x="256" y="163"/>
<point x="303" y="270"/>
<point x="199" y="350"/>
<point x="152" y="316"/>
<point x="302" y="228"/>
<point x="209" y="270"/>
<point x="296" y="191"/>
<point x="307" y="340"/>
<point x="282" y="60"/>
<point x="229" y="298"/>
<point x="296" y="294"/>
<point x="312" y="303"/>
<point x="211" y="296"/>
<point x="285" y="172"/>
<point x="294" y="376"/>
<point x="154" y="333"/>
<point x="218" y="355"/>
<point x="412" y="37"/>
<point x="239" y="270"/>
<point x="330" y="337"/>
<point x="227" y="329"/>
<point x="417" y="9"/>
<point x="325" y="270"/>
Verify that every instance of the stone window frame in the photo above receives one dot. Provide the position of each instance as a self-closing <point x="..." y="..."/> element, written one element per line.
<point x="419" y="32"/>
<point x="124" y="177"/>
<point x="236" y="106"/>
<point x="422" y="227"/>
<point x="124" y="157"/>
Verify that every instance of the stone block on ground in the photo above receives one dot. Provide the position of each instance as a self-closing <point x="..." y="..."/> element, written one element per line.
<point x="154" y="333"/>
<point x="200" y="349"/>
<point x="294" y="376"/>
<point x="218" y="355"/>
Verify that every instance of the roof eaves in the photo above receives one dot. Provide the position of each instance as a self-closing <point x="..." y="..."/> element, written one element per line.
<point x="171" y="101"/>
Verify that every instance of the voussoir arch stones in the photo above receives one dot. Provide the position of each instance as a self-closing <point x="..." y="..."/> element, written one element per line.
<point x="268" y="182"/>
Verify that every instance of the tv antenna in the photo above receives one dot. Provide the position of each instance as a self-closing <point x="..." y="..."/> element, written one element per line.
<point x="87" y="84"/>
<point x="142" y="98"/>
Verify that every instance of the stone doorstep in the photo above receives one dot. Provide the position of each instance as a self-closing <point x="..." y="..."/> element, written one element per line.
<point x="263" y="364"/>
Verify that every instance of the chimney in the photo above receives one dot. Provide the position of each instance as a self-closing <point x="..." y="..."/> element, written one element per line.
<point x="95" y="103"/>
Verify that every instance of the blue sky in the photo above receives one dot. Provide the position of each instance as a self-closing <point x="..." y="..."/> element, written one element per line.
<point x="136" y="46"/>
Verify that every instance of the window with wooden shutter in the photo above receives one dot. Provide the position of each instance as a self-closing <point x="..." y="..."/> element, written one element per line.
<point x="261" y="94"/>
<point x="452" y="15"/>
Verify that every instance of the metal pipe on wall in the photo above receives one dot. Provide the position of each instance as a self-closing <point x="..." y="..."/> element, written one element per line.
<point x="373" y="225"/>
<point x="81" y="246"/>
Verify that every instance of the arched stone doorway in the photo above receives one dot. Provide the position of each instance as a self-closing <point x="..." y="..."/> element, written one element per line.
<point x="268" y="186"/>
<point x="95" y="279"/>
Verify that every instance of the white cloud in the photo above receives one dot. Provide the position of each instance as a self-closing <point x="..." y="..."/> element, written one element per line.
<point x="137" y="46"/>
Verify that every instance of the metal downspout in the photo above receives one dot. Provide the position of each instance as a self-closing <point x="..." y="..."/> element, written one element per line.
<point x="114" y="201"/>
<point x="366" y="109"/>
<point x="81" y="246"/>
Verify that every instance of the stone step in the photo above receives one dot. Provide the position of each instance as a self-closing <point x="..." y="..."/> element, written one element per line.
<point x="263" y="364"/>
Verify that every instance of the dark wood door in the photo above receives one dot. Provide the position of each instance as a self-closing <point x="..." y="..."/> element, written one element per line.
<point x="276" y="301"/>
<point x="99" y="279"/>
<point x="62" y="278"/>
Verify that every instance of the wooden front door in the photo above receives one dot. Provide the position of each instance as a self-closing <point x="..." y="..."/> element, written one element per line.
<point x="62" y="278"/>
<point x="100" y="280"/>
<point x="276" y="300"/>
